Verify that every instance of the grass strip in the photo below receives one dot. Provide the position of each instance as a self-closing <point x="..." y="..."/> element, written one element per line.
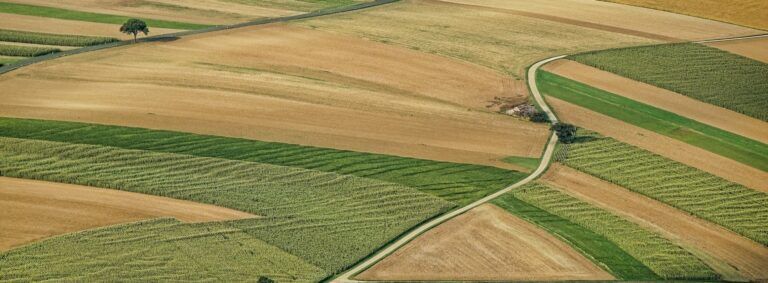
<point x="458" y="183"/>
<point x="594" y="246"/>
<point x="733" y="206"/>
<point x="25" y="51"/>
<point x="64" y="14"/>
<point x="52" y="39"/>
<point x="738" y="148"/>
<point x="701" y="72"/>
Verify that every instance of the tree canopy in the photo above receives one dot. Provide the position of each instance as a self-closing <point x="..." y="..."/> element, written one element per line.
<point x="134" y="27"/>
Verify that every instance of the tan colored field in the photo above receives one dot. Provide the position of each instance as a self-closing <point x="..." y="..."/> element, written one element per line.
<point x="658" y="97"/>
<point x="735" y="257"/>
<point x="37" y="45"/>
<point x="495" y="38"/>
<point x="749" y="13"/>
<point x="486" y="243"/>
<point x="197" y="11"/>
<point x="33" y="210"/>
<point x="49" y="25"/>
<point x="676" y="150"/>
<point x="619" y="18"/>
<point x="287" y="84"/>
<point x="756" y="48"/>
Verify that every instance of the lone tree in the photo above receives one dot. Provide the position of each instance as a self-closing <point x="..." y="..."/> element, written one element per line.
<point x="134" y="27"/>
<point x="565" y="132"/>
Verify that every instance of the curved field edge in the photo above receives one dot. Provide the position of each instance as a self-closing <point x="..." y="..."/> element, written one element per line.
<point x="163" y="249"/>
<point x="744" y="150"/>
<point x="457" y="183"/>
<point x="327" y="219"/>
<point x="733" y="206"/>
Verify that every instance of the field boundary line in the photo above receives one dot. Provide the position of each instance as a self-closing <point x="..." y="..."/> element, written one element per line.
<point x="177" y="35"/>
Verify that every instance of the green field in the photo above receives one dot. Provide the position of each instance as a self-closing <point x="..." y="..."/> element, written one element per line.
<point x="709" y="197"/>
<point x="529" y="163"/>
<point x="5" y="60"/>
<point x="157" y="250"/>
<point x="64" y="14"/>
<point x="701" y="72"/>
<point x="328" y="220"/>
<point x="52" y="39"/>
<point x="593" y="245"/>
<point x="741" y="149"/>
<point x="25" y="51"/>
<point x="458" y="183"/>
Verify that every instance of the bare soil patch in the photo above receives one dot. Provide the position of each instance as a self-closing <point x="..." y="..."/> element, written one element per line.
<point x="625" y="19"/>
<point x="486" y="243"/>
<point x="50" y="25"/>
<point x="755" y="48"/>
<point x="658" y="97"/>
<point x="33" y="210"/>
<point x="287" y="84"/>
<point x="676" y="150"/>
<point x="728" y="253"/>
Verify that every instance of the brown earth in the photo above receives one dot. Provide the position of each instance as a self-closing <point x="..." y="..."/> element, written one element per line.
<point x="663" y="25"/>
<point x="755" y="48"/>
<point x="486" y="243"/>
<point x="33" y="210"/>
<point x="287" y="84"/>
<point x="658" y="97"/>
<point x="50" y="25"/>
<point x="676" y="150"/>
<point x="728" y="253"/>
<point x="197" y="11"/>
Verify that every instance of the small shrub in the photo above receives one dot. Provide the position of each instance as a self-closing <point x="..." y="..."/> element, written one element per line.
<point x="565" y="132"/>
<point x="539" y="117"/>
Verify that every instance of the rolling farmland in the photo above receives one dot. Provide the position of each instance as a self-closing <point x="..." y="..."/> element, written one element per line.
<point x="742" y="12"/>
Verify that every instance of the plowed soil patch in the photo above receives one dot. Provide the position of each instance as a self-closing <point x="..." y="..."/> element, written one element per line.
<point x="676" y="150"/>
<point x="33" y="210"/>
<point x="286" y="84"/>
<point x="755" y="48"/>
<point x="50" y="25"/>
<point x="658" y="97"/>
<point x="720" y="248"/>
<point x="624" y="19"/>
<point x="486" y="243"/>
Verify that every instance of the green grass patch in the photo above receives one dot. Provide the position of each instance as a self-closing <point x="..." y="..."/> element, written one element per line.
<point x="157" y="250"/>
<point x="25" y="51"/>
<point x="593" y="245"/>
<point x="328" y="220"/>
<point x="739" y="148"/>
<point x="52" y="39"/>
<point x="704" y="195"/>
<point x="701" y="72"/>
<point x="5" y="60"/>
<point x="458" y="183"/>
<point x="529" y="163"/>
<point x="64" y="14"/>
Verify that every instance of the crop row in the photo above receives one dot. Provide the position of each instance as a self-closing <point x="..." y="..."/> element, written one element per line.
<point x="25" y="51"/>
<point x="701" y="72"/>
<point x="157" y="250"/>
<point x="458" y="183"/>
<point x="327" y="219"/>
<point x="743" y="210"/>
<point x="52" y="39"/>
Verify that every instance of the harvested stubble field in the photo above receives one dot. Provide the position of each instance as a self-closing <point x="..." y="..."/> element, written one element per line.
<point x="618" y="18"/>
<point x="723" y="79"/>
<point x="382" y="99"/>
<point x="52" y="39"/>
<point x="734" y="257"/>
<point x="662" y="256"/>
<point x="727" y="144"/>
<point x="749" y="13"/>
<point x="755" y="48"/>
<point x="486" y="243"/>
<point x="327" y="220"/>
<point x="34" y="210"/>
<point x="494" y="38"/>
<point x="733" y="206"/>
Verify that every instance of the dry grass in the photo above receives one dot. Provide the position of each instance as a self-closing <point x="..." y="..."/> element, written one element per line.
<point x="503" y="41"/>
<point x="749" y="13"/>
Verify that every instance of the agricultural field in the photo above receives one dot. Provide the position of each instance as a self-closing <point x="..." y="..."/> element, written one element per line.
<point x="741" y="12"/>
<point x="756" y="48"/>
<point x="725" y="79"/>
